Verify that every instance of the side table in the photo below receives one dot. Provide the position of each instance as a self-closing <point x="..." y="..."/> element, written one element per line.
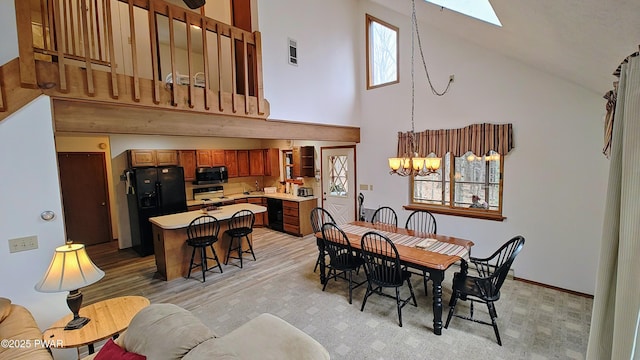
<point x="108" y="318"/>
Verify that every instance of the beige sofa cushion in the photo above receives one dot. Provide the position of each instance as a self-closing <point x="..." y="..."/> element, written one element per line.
<point x="5" y="308"/>
<point x="19" y="324"/>
<point x="165" y="331"/>
<point x="265" y="337"/>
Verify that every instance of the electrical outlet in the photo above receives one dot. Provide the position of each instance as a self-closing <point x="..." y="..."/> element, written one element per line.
<point x="23" y="244"/>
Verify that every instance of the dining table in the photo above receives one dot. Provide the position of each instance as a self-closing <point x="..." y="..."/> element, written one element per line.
<point x="430" y="253"/>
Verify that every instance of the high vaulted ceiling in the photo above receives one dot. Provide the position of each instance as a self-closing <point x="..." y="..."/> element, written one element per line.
<point x="582" y="41"/>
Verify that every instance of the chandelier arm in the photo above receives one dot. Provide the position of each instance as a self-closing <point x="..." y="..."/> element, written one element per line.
<point x="414" y="20"/>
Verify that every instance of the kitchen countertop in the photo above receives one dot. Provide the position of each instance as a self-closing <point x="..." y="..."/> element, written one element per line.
<point x="255" y="194"/>
<point x="182" y="220"/>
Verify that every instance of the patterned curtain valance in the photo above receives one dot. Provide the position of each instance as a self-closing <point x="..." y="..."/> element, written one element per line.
<point x="478" y="138"/>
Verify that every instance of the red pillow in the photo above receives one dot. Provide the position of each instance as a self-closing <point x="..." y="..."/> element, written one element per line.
<point x="111" y="351"/>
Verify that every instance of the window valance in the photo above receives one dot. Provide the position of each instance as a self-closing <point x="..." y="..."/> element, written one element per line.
<point x="478" y="138"/>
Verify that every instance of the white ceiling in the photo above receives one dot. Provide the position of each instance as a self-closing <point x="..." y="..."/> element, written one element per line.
<point x="582" y="41"/>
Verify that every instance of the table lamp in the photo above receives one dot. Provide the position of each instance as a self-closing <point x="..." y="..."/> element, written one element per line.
<point x="70" y="269"/>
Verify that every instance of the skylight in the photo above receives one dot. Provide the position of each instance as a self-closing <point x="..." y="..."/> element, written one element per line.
<point x="479" y="9"/>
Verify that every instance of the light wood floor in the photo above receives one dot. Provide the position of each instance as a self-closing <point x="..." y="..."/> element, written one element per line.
<point x="126" y="273"/>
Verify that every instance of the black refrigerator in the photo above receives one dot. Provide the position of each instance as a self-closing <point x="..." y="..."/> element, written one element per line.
<point x="152" y="191"/>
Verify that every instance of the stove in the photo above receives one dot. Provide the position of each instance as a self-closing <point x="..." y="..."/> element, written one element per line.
<point x="208" y="193"/>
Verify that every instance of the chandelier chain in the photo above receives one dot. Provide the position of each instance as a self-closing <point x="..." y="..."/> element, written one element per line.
<point x="414" y="22"/>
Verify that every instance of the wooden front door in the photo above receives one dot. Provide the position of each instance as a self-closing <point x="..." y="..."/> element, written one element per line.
<point x="85" y="200"/>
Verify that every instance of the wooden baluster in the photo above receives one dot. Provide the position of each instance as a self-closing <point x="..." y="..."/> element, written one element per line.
<point x="25" y="45"/>
<point x="50" y="25"/>
<point x="134" y="53"/>
<point x="67" y="15"/>
<point x="98" y="32"/>
<point x="219" y="37"/>
<point x="205" y="54"/>
<point x="187" y="26"/>
<point x="78" y="21"/>
<point x="112" y="58"/>
<point x="258" y="77"/>
<point x="153" y="30"/>
<point x="61" y="45"/>
<point x="172" y="49"/>
<point x="245" y="63"/>
<point x="233" y="72"/>
<point x="43" y="29"/>
<point x="92" y="38"/>
<point x="87" y="54"/>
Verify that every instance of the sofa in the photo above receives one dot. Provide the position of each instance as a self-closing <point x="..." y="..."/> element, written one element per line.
<point x="21" y="337"/>
<point x="167" y="331"/>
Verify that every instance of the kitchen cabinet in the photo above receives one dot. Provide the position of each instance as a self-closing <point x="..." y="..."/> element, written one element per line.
<point x="187" y="159"/>
<point x="231" y="162"/>
<point x="243" y="163"/>
<point x="256" y="162"/>
<point x="143" y="158"/>
<point x="262" y="219"/>
<point x="208" y="158"/>
<point x="303" y="161"/>
<point x="296" y="216"/>
<point x="272" y="162"/>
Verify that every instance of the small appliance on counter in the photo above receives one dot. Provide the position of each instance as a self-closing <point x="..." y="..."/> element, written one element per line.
<point x="305" y="191"/>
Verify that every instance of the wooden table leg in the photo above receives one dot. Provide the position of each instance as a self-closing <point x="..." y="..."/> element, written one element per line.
<point x="437" y="276"/>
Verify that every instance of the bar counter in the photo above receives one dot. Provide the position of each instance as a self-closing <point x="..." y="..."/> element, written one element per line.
<point x="170" y="234"/>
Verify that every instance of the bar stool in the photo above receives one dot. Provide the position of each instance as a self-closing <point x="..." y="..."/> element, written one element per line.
<point x="240" y="226"/>
<point x="202" y="232"/>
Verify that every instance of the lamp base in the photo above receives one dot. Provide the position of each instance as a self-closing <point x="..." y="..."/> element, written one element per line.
<point x="76" y="323"/>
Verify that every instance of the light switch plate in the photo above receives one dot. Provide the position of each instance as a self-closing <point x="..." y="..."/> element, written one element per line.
<point x="364" y="187"/>
<point x="23" y="244"/>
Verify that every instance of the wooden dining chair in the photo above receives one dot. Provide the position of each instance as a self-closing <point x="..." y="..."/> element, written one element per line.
<point x="240" y="226"/>
<point x="485" y="286"/>
<point x="319" y="217"/>
<point x="424" y="222"/>
<point x="342" y="259"/>
<point x="385" y="215"/>
<point x="383" y="270"/>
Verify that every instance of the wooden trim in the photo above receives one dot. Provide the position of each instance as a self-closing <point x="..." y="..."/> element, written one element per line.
<point x="577" y="293"/>
<point x="475" y="213"/>
<point x="234" y="87"/>
<point x="72" y="116"/>
<point x="172" y="48"/>
<point x="28" y="76"/>
<point x="61" y="45"/>
<point x="369" y="71"/>
<point x="205" y="58"/>
<point x="12" y="95"/>
<point x="245" y="63"/>
<point x="112" y="57"/>
<point x="153" y="31"/>
<point x="219" y="37"/>
<point x="190" y="60"/>
<point x="260" y="94"/>
<point x="87" y="52"/>
<point x="134" y="53"/>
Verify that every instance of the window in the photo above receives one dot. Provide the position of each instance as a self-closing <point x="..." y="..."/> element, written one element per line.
<point x="338" y="180"/>
<point x="382" y="53"/>
<point x="468" y="185"/>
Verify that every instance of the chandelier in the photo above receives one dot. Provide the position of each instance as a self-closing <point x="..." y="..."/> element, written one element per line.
<point x="412" y="163"/>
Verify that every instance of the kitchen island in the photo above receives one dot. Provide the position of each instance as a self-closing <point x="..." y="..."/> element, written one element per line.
<point x="170" y="234"/>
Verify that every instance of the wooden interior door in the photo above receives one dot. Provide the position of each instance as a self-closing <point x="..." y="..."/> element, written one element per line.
<point x="85" y="200"/>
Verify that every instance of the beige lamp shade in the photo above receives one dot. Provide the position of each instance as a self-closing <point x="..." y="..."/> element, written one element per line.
<point x="70" y="269"/>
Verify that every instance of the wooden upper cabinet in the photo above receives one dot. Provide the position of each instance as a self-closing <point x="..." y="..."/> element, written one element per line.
<point x="256" y="162"/>
<point x="204" y="158"/>
<point x="167" y="157"/>
<point x="231" y="162"/>
<point x="142" y="157"/>
<point x="272" y="162"/>
<point x="187" y="159"/>
<point x="243" y="163"/>
<point x="303" y="161"/>
<point x="217" y="157"/>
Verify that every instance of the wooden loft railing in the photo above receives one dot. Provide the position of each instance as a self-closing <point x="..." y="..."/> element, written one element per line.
<point x="138" y="52"/>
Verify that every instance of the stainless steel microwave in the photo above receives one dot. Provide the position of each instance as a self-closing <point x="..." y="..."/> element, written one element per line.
<point x="211" y="175"/>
